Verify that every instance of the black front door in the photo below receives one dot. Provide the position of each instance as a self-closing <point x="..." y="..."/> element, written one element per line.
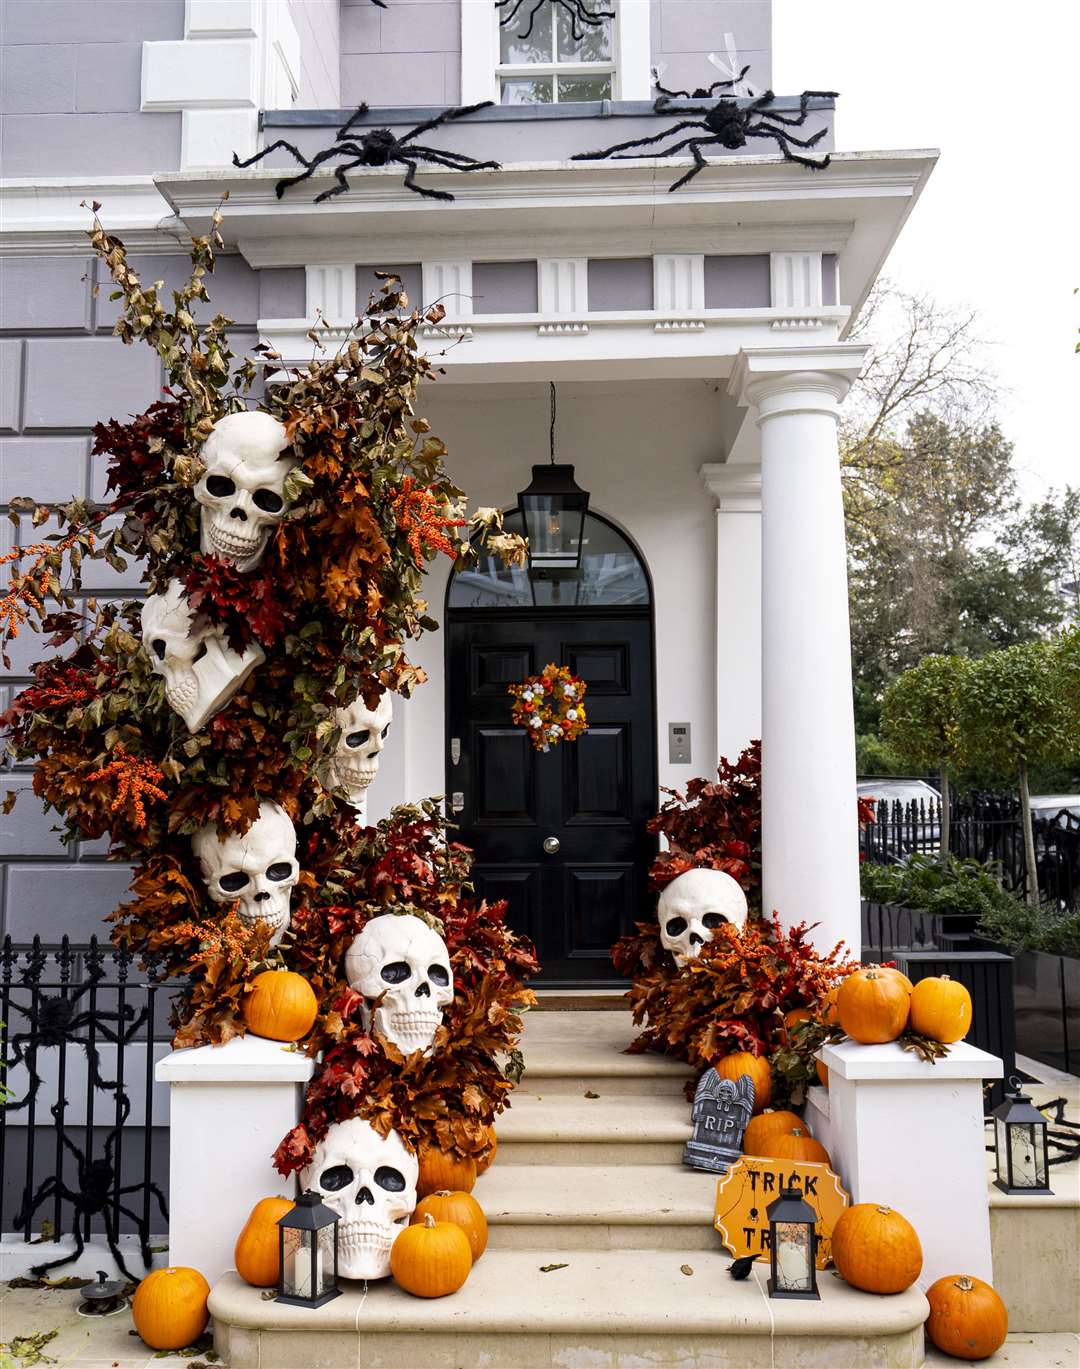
<point x="560" y="835"/>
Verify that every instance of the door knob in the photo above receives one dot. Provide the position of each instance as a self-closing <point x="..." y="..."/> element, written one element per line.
<point x="551" y="845"/>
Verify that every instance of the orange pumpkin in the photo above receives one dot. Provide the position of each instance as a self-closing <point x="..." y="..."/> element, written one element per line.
<point x="822" y="1073"/>
<point x="876" y="1249"/>
<point x="431" y="1259"/>
<point x="799" y="1145"/>
<point x="892" y="970"/>
<point x="941" y="1009"/>
<point x="738" y="1063"/>
<point x="790" y="1018"/>
<point x="169" y="1308"/>
<point x="967" y="1317"/>
<point x="257" y="1254"/>
<point x="873" y="1006"/>
<point x="280" y="1005"/>
<point x="828" y="1007"/>
<point x="463" y="1210"/>
<point x="487" y="1159"/>
<point x="763" y="1129"/>
<point x="440" y="1171"/>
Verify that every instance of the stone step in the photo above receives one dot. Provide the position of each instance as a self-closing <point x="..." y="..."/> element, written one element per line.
<point x="604" y="1308"/>
<point x="576" y="1052"/>
<point x="598" y="1207"/>
<point x="611" y="1129"/>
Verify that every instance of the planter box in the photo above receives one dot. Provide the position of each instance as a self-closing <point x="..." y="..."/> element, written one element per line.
<point x="1046" y="995"/>
<point x="891" y="927"/>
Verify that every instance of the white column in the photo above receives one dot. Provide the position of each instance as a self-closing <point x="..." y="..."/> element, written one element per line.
<point x="737" y="490"/>
<point x="229" y="1106"/>
<point x="809" y="828"/>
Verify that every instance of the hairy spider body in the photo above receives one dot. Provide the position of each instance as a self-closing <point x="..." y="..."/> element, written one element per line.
<point x="725" y="123"/>
<point x="578" y="10"/>
<point x="379" y="147"/>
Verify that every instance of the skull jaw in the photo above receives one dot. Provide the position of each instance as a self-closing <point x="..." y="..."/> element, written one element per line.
<point x="211" y="695"/>
<point x="276" y="917"/>
<point x="351" y="781"/>
<point x="408" y="1030"/>
<point x="364" y="1249"/>
<point x="243" y="552"/>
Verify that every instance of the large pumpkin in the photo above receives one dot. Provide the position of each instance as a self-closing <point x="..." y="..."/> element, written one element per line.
<point x="873" y="1006"/>
<point x="257" y="1254"/>
<point x="431" y="1259"/>
<point x="280" y="1005"/>
<point x="799" y="1145"/>
<point x="895" y="973"/>
<point x="941" y="1009"/>
<point x="169" y="1308"/>
<point x="967" y="1318"/>
<point x="737" y="1064"/>
<point x="487" y="1159"/>
<point x="876" y="1249"/>
<point x="763" y="1129"/>
<point x="440" y="1171"/>
<point x="463" y="1210"/>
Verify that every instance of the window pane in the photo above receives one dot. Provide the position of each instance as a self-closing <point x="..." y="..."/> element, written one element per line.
<point x="523" y="92"/>
<point x="594" y="42"/>
<point x="573" y="88"/>
<point x="513" y="49"/>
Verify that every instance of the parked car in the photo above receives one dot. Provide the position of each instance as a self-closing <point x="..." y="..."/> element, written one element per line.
<point x="912" y="820"/>
<point x="1050" y="806"/>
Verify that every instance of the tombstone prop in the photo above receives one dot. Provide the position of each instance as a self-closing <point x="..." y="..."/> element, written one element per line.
<point x="720" y="1113"/>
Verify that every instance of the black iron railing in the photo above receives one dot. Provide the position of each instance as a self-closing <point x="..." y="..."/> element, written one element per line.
<point x="83" y="1139"/>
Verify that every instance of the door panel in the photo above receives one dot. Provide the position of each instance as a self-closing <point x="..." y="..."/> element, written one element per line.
<point x="504" y="776"/>
<point x="599" y="772"/>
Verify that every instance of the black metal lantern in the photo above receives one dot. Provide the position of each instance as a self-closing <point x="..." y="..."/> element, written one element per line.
<point x="1020" y="1144"/>
<point x="308" y="1249"/>
<point x="554" y="507"/>
<point x="792" y="1246"/>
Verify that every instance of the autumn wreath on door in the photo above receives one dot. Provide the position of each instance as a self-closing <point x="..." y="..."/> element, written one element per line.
<point x="550" y="706"/>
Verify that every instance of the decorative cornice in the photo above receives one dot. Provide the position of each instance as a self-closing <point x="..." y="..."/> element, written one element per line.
<point x="50" y="216"/>
<point x="735" y="487"/>
<point x="795" y="379"/>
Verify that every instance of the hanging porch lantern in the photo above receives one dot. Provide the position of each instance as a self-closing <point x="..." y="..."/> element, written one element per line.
<point x="553" y="507"/>
<point x="792" y="1246"/>
<point x="1020" y="1144"/>
<point x="308" y="1250"/>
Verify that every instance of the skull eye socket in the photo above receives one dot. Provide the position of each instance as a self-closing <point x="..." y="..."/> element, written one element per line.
<point x="281" y="869"/>
<point x="386" y="732"/>
<point x="396" y="972"/>
<point x="157" y="646"/>
<point x="711" y="920"/>
<point x="390" y="1179"/>
<point x="355" y="739"/>
<point x="232" y="884"/>
<point x="335" y="1178"/>
<point x="676" y="926"/>
<point x="220" y="486"/>
<point x="268" y="500"/>
<point x="438" y="975"/>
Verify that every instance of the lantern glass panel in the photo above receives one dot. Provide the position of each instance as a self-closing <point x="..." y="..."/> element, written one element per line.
<point x="794" y="1254"/>
<point x="325" y="1260"/>
<point x="1001" y="1149"/>
<point x="1027" y="1156"/>
<point x="295" y="1263"/>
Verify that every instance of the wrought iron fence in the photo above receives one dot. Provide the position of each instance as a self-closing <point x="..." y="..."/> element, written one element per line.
<point x="84" y="1128"/>
<point x="987" y="829"/>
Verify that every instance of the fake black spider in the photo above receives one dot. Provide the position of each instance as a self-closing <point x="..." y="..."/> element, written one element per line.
<point x="378" y="147"/>
<point x="96" y="1192"/>
<point x="726" y="123"/>
<point x="578" y="10"/>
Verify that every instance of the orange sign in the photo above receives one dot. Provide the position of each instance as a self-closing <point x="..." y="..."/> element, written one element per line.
<point x="751" y="1184"/>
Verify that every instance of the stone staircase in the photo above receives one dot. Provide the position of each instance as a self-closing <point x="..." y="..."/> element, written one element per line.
<point x="601" y="1250"/>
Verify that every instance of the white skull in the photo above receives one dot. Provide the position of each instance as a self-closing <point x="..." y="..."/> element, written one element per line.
<point x="371" y="1183"/>
<point x="259" y="868"/>
<point x="401" y="963"/>
<point x="201" y="670"/>
<point x="695" y="903"/>
<point x="242" y="491"/>
<point x="355" y="762"/>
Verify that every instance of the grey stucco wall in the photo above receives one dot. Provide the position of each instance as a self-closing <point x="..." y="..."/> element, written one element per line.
<point x="394" y="56"/>
<point x="684" y="32"/>
<point x="70" y="73"/>
<point x="318" y="22"/>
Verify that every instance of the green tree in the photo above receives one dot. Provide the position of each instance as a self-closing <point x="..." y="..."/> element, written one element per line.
<point x="920" y="717"/>
<point x="1018" y="710"/>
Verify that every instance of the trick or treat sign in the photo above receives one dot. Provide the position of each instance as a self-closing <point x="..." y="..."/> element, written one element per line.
<point x="745" y="1192"/>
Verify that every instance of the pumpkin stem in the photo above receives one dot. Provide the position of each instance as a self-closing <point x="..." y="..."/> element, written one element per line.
<point x="429" y="1221"/>
<point x="964" y="1284"/>
<point x="885" y="1211"/>
<point x="795" y="1131"/>
<point x="442" y="1193"/>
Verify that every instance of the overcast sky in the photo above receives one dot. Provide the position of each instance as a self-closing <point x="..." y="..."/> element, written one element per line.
<point x="993" y="86"/>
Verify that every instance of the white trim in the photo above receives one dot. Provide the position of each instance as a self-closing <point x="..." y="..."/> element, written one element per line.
<point x="221" y="18"/>
<point x="735" y="487"/>
<point x="46" y="217"/>
<point x="330" y="292"/>
<point x="479" y="51"/>
<point x="633" y="50"/>
<point x="796" y="279"/>
<point x="678" y="282"/>
<point x="562" y="285"/>
<point x="448" y="283"/>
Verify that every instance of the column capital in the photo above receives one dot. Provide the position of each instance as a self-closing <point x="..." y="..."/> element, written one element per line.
<point x="735" y="487"/>
<point x="786" y="380"/>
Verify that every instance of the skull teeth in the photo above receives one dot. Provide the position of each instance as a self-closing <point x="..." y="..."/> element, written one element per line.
<point x="275" y="919"/>
<point x="182" y="693"/>
<point x="232" y="544"/>
<point x="367" y="1236"/>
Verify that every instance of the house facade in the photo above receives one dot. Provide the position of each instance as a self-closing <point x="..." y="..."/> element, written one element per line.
<point x="696" y="340"/>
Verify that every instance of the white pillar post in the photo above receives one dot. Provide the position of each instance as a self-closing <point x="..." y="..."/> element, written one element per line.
<point x="737" y="491"/>
<point x="810" y="865"/>
<point x="229" y="1106"/>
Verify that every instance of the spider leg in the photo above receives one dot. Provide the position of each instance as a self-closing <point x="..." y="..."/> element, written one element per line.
<point x="699" y="162"/>
<point x="410" y="182"/>
<point x="458" y="161"/>
<point x="112" y="1235"/>
<point x="347" y="127"/>
<point x="154" y="1189"/>
<point x="532" y="17"/>
<point x="672" y="94"/>
<point x="637" y="142"/>
<point x="447" y="116"/>
<point x="341" y="176"/>
<point x="272" y="147"/>
<point x="38" y="1271"/>
<point x="766" y="126"/>
<point x="45" y="1190"/>
<point x="311" y="167"/>
<point x="783" y="140"/>
<point x="663" y="103"/>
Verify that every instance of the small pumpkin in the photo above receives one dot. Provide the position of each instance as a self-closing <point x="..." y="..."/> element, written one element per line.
<point x="876" y="1249"/>
<point x="257" y="1254"/>
<point x="169" y="1308"/>
<point x="790" y="1018"/>
<point x="280" y="1005"/>
<point x="873" y="1006"/>
<point x="431" y="1259"/>
<point x="487" y="1158"/>
<point x="941" y="1009"/>
<point x="822" y="1073"/>
<point x="967" y="1317"/>
<point x="763" y="1129"/>
<point x="463" y="1210"/>
<point x="738" y="1063"/>
<point x="441" y="1171"/>
<point x="827" y="1008"/>
<point x="799" y="1145"/>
